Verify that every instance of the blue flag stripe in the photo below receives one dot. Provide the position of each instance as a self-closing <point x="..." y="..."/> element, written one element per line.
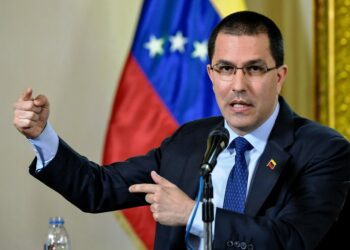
<point x="170" y="46"/>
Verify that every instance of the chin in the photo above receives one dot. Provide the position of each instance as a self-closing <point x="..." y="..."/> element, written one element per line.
<point x="240" y="128"/>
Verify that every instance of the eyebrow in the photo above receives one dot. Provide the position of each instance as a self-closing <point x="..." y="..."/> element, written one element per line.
<point x="250" y="62"/>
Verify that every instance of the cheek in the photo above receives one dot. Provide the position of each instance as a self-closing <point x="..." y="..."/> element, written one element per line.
<point x="264" y="94"/>
<point x="267" y="96"/>
<point x="270" y="89"/>
<point x="220" y="90"/>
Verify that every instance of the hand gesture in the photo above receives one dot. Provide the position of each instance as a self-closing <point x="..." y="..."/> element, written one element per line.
<point x="169" y="205"/>
<point x="31" y="114"/>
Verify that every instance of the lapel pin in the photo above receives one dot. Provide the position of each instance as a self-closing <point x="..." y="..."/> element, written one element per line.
<point x="272" y="164"/>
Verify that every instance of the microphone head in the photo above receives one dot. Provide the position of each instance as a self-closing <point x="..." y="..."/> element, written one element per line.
<point x="216" y="142"/>
<point x="219" y="136"/>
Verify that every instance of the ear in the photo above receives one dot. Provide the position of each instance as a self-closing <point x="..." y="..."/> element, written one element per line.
<point x="210" y="72"/>
<point x="281" y="76"/>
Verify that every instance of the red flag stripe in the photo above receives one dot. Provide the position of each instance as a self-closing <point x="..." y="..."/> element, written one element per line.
<point x="151" y="124"/>
<point x="129" y="124"/>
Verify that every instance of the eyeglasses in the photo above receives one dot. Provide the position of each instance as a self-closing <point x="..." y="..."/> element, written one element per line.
<point x="251" y="72"/>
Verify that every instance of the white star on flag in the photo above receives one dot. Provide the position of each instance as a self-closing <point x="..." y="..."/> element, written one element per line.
<point x="178" y="42"/>
<point x="200" y="50"/>
<point x="155" y="46"/>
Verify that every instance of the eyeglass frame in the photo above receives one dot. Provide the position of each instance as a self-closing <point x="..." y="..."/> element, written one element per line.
<point x="244" y="69"/>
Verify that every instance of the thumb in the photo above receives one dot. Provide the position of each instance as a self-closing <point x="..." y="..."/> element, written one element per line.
<point x="160" y="180"/>
<point x="41" y="101"/>
<point x="26" y="95"/>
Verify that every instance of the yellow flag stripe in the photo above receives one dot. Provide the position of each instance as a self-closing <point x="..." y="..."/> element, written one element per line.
<point x="226" y="7"/>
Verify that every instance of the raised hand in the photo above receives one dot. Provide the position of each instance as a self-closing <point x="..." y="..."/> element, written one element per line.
<point x="169" y="205"/>
<point x="31" y="114"/>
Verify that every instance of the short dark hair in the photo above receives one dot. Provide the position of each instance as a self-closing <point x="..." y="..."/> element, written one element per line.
<point x="250" y="23"/>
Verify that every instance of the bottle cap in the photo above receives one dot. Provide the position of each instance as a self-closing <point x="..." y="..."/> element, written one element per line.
<point x="56" y="220"/>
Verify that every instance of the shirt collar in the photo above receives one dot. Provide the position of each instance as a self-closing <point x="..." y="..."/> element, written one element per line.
<point x="257" y="138"/>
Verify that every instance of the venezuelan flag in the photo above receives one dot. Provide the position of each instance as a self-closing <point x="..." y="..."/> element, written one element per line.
<point x="163" y="85"/>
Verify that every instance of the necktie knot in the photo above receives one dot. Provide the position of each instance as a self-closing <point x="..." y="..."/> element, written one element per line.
<point x="241" y="145"/>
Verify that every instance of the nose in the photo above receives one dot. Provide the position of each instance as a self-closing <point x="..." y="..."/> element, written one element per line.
<point x="239" y="81"/>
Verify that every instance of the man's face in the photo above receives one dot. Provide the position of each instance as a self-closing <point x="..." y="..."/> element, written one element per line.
<point x="245" y="102"/>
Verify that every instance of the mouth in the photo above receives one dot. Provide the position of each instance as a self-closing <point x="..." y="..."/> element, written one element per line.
<point x="239" y="105"/>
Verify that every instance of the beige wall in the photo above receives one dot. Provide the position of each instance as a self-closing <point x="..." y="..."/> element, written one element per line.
<point x="73" y="51"/>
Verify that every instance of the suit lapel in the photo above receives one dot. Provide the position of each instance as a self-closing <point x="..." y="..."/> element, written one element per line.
<point x="272" y="161"/>
<point x="266" y="176"/>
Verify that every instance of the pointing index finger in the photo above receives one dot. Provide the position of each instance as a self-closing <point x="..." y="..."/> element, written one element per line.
<point x="143" y="188"/>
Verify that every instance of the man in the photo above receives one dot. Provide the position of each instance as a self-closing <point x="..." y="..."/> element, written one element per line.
<point x="296" y="174"/>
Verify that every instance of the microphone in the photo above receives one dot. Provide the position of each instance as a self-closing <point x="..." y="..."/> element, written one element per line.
<point x="216" y="142"/>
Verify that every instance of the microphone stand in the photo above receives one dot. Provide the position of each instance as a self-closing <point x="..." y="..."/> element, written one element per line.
<point x="207" y="208"/>
<point x="217" y="141"/>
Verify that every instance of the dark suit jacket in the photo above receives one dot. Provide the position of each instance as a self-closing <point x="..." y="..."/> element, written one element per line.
<point x="292" y="206"/>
